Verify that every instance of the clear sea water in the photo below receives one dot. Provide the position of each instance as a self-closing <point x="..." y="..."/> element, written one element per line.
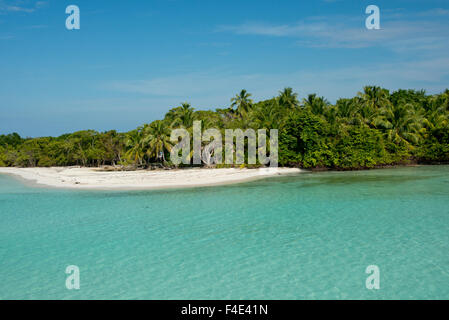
<point x="309" y="236"/>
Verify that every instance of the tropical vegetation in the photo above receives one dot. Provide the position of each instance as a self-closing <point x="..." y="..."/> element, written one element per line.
<point x="375" y="128"/>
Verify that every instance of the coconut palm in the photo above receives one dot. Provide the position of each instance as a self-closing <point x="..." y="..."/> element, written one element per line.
<point x="416" y="97"/>
<point x="318" y="105"/>
<point x="436" y="116"/>
<point x="242" y="102"/>
<point x="268" y="115"/>
<point x="400" y="123"/>
<point x="374" y="97"/>
<point x="370" y="103"/>
<point x="157" y="137"/>
<point x="346" y="108"/>
<point x="208" y="118"/>
<point x="182" y="116"/>
<point x="136" y="145"/>
<point x="288" y="99"/>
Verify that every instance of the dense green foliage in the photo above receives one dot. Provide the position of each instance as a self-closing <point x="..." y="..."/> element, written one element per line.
<point x="372" y="129"/>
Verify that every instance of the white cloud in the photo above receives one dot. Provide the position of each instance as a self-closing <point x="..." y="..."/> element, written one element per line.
<point x="21" y="6"/>
<point x="407" y="32"/>
<point x="435" y="12"/>
<point x="212" y="89"/>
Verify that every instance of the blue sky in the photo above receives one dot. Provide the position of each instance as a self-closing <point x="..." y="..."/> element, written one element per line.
<point x="132" y="61"/>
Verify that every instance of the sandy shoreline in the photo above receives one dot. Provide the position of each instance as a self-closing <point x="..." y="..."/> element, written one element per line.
<point x="92" y="178"/>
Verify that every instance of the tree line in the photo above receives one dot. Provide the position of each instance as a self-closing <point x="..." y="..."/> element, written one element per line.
<point x="375" y="128"/>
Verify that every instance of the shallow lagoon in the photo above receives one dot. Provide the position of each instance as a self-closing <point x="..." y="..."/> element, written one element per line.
<point x="309" y="236"/>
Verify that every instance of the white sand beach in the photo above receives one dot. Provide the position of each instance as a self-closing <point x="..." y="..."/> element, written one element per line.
<point x="94" y="178"/>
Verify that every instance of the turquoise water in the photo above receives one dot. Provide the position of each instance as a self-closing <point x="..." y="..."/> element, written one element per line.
<point x="309" y="236"/>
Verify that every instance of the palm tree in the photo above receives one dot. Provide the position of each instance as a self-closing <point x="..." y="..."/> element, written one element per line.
<point x="346" y="108"/>
<point x="347" y="111"/>
<point x="157" y="136"/>
<point x="417" y="98"/>
<point x="401" y="124"/>
<point x="436" y="116"/>
<point x="208" y="118"/>
<point x="374" y="97"/>
<point x="318" y="105"/>
<point x="182" y="116"/>
<point x="268" y="115"/>
<point x="371" y="102"/>
<point x="242" y="102"/>
<point x="288" y="99"/>
<point x="136" y="145"/>
<point x="69" y="148"/>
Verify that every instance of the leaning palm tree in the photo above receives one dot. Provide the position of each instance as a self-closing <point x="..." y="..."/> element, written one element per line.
<point x="157" y="137"/>
<point x="401" y="124"/>
<point x="242" y="102"/>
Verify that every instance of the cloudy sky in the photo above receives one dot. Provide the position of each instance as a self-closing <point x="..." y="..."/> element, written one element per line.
<point x="133" y="60"/>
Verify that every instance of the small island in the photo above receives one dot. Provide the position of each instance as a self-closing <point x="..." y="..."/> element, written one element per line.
<point x="376" y="128"/>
